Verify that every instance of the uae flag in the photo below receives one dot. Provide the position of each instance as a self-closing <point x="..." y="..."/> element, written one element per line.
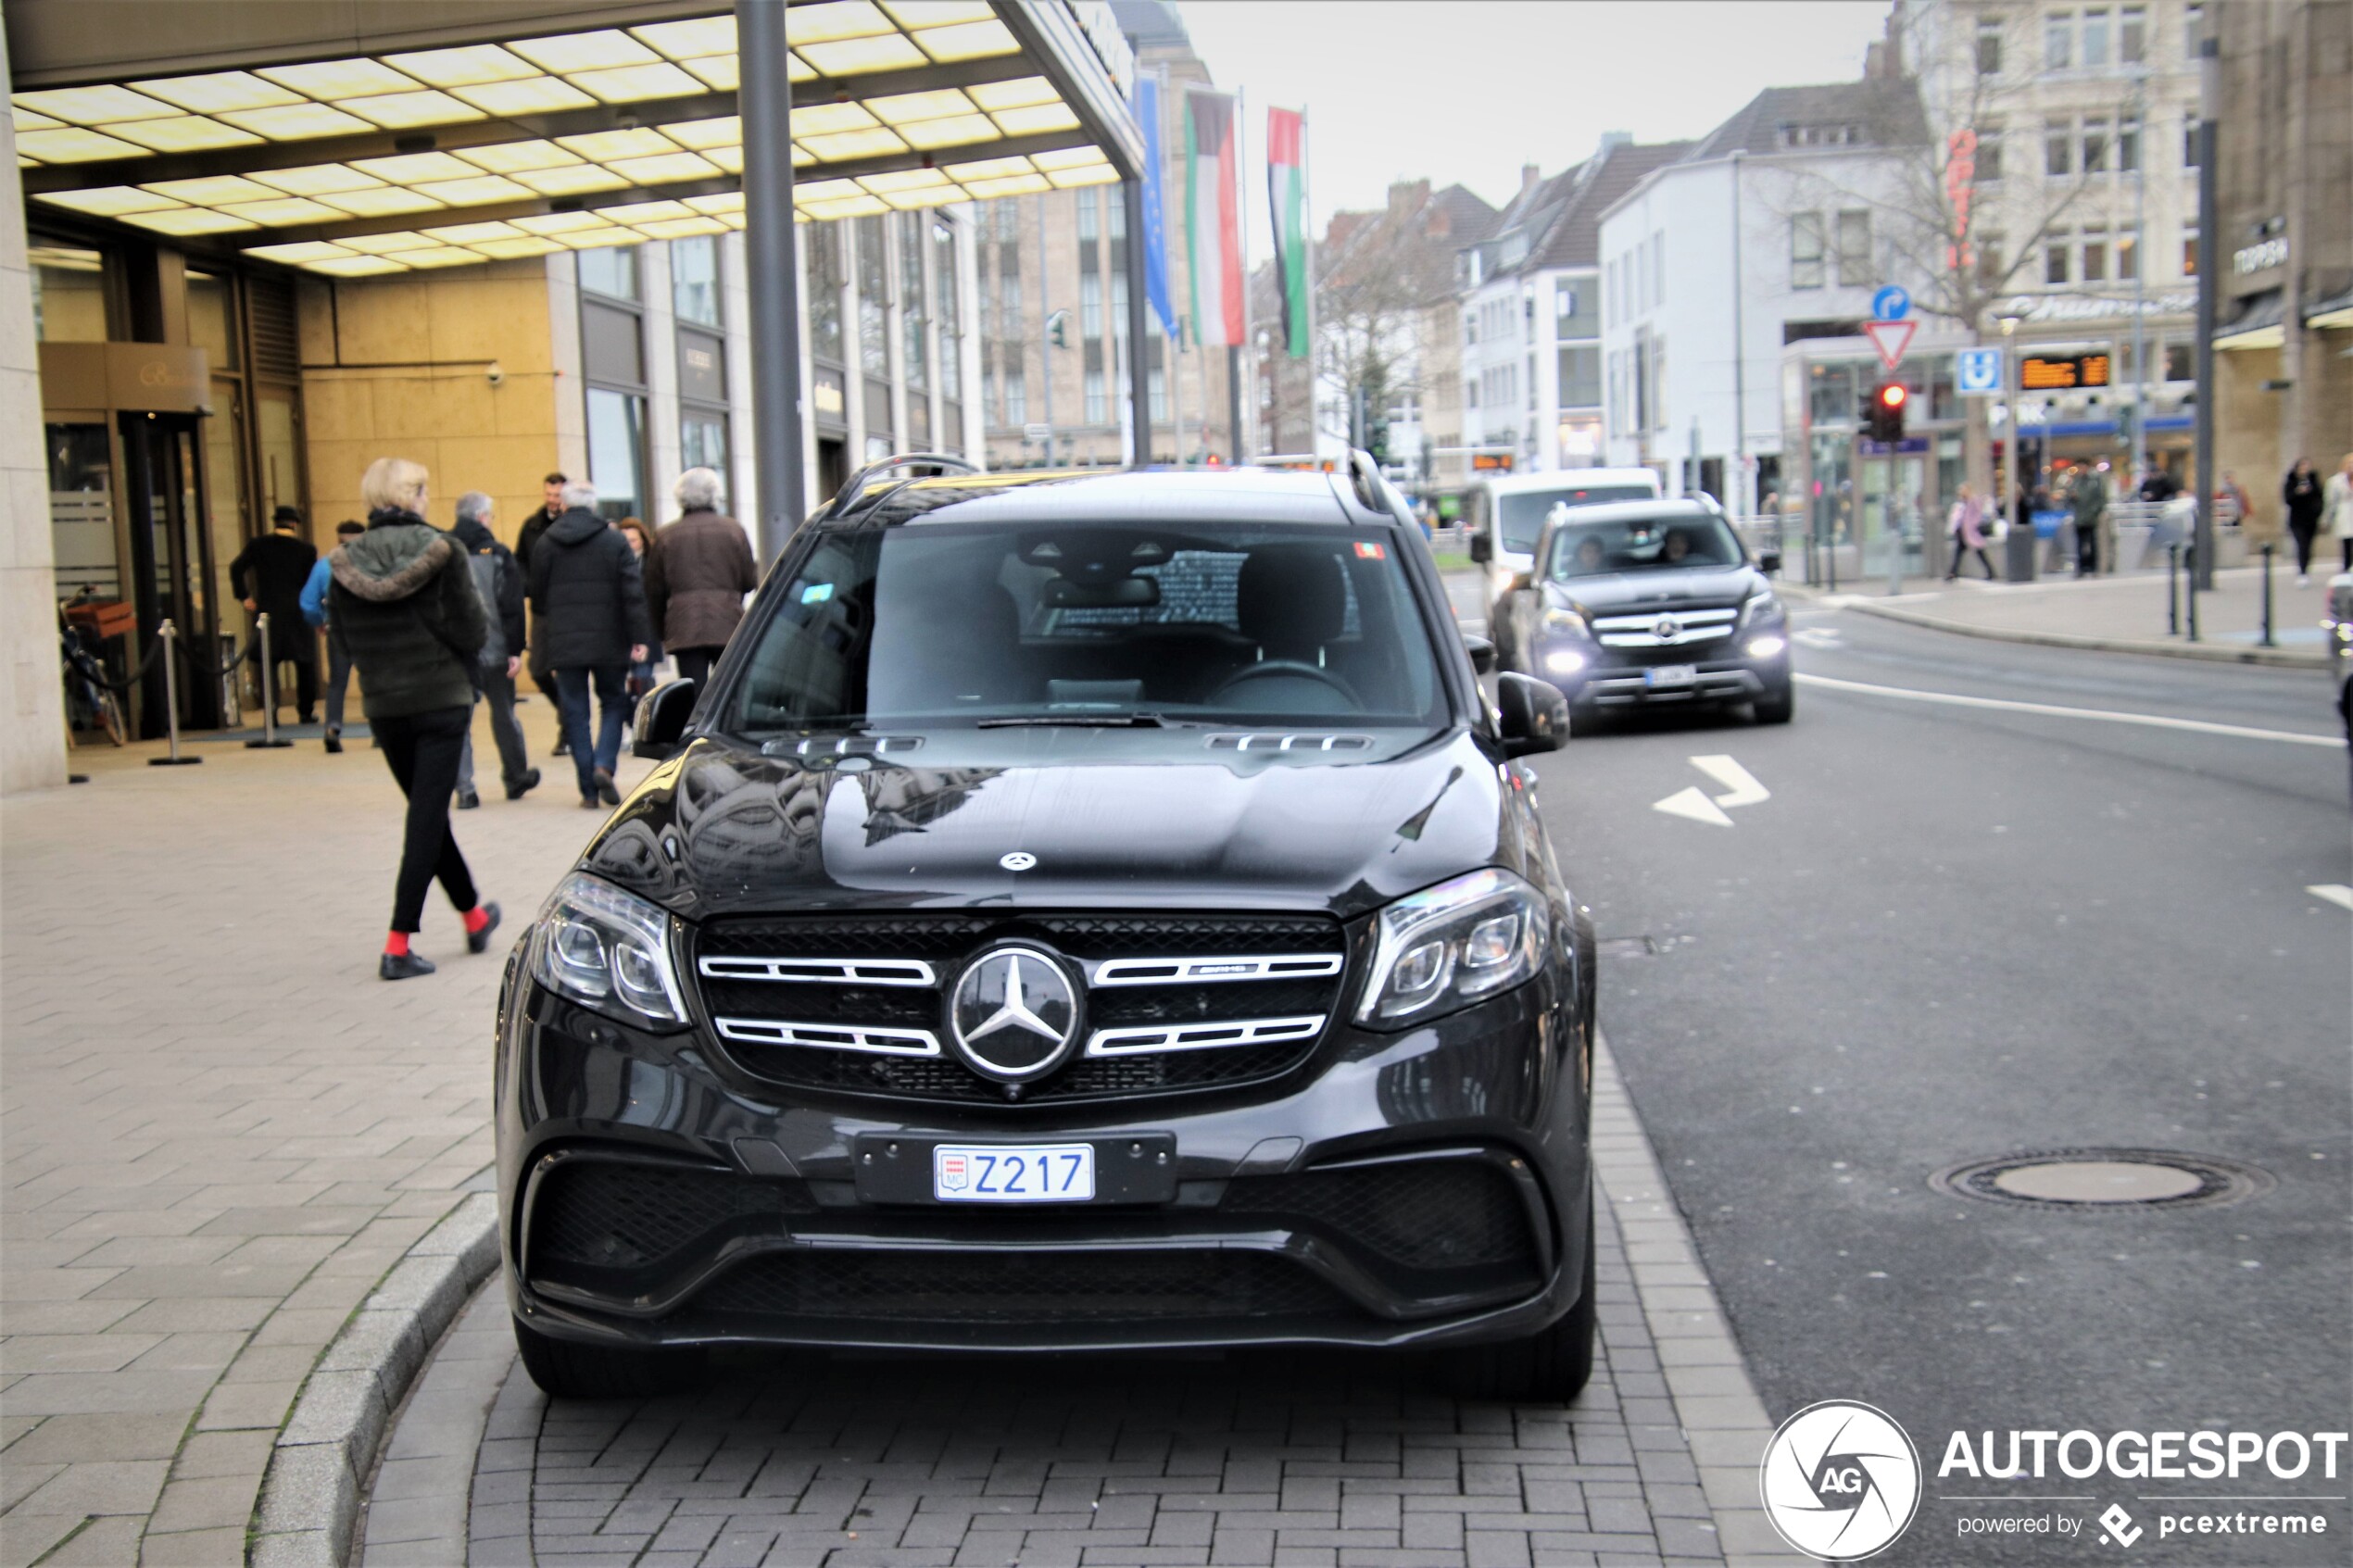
<point x="1212" y="221"/>
<point x="1287" y="203"/>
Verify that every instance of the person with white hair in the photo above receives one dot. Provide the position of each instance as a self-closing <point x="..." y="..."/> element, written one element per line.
<point x="499" y="581"/>
<point x="402" y="597"/>
<point x="588" y="602"/>
<point x="706" y="557"/>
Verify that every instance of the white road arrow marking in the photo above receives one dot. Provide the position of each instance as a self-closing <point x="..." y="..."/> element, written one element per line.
<point x="1819" y="636"/>
<point x="1739" y="784"/>
<point x="2335" y="893"/>
<point x="1746" y="790"/>
<point x="1692" y="804"/>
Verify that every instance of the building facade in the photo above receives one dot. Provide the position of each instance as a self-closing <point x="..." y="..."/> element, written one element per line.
<point x="1768" y="232"/>
<point x="1532" y="301"/>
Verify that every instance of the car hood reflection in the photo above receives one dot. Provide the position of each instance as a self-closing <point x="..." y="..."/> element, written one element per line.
<point x="1144" y="819"/>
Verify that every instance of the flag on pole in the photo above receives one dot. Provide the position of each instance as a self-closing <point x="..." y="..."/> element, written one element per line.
<point x="1155" y="222"/>
<point x="1212" y="221"/>
<point x="1286" y="204"/>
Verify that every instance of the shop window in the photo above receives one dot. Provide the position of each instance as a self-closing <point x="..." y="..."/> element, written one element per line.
<point x="69" y="294"/>
<point x="616" y="451"/>
<point x="694" y="280"/>
<point x="611" y="270"/>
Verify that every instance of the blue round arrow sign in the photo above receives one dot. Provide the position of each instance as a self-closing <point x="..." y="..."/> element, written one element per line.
<point x="1892" y="303"/>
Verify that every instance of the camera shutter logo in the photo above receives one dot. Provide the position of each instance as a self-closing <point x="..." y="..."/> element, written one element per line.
<point x="2118" y="1527"/>
<point x="1840" y="1480"/>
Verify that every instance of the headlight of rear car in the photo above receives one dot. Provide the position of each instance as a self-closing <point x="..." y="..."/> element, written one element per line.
<point x="1568" y="623"/>
<point x="609" y="951"/>
<point x="1453" y="945"/>
<point x="1762" y="610"/>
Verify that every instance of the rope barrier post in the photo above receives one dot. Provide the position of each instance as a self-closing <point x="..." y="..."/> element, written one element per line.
<point x="2267" y="595"/>
<point x="2172" y="590"/>
<point x="170" y="636"/>
<point x="269" y="741"/>
<point x="2189" y="585"/>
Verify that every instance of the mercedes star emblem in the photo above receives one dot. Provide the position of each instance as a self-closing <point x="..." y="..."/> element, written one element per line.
<point x="1017" y="860"/>
<point x="1667" y="629"/>
<point x="1013" y="1014"/>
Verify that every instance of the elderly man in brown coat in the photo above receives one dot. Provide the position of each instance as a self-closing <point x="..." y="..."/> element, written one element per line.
<point x="707" y="558"/>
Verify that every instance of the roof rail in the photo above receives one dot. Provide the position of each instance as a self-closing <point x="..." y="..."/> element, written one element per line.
<point x="1364" y="474"/>
<point x="854" y="488"/>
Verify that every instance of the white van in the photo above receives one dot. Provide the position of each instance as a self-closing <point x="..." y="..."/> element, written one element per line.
<point x="1505" y="512"/>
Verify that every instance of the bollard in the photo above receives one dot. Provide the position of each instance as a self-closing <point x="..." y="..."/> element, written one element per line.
<point x="2267" y="596"/>
<point x="171" y="636"/>
<point x="2172" y="590"/>
<point x="269" y="741"/>
<point x="2189" y="585"/>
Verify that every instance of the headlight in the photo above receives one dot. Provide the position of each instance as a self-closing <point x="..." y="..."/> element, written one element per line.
<point x="1449" y="945"/>
<point x="1762" y="610"/>
<point x="608" y="950"/>
<point x="1568" y="623"/>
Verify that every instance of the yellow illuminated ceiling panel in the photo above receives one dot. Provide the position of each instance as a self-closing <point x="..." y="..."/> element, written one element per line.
<point x="500" y="89"/>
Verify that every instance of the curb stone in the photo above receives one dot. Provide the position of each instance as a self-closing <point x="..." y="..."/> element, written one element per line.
<point x="2211" y="653"/>
<point x="310" y="1495"/>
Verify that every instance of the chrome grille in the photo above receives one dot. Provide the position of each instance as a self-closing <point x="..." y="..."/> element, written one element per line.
<point x="1664" y="628"/>
<point x="1174" y="1003"/>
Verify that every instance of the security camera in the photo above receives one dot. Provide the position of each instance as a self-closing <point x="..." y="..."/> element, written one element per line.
<point x="497" y="372"/>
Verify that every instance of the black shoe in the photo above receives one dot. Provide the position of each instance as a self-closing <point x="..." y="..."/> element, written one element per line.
<point x="402" y="966"/>
<point x="306" y="718"/>
<point x="606" y="791"/>
<point x="468" y="800"/>
<point x="479" y="941"/>
<point x="529" y="782"/>
<point x="334" y="742"/>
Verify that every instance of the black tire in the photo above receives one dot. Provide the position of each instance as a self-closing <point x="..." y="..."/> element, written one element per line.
<point x="1778" y="704"/>
<point x="1550" y="1367"/>
<point x="110" y="717"/>
<point x="566" y="1370"/>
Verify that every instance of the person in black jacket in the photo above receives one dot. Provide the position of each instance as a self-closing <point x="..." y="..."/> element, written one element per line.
<point x="588" y="597"/>
<point x="404" y="601"/>
<point x="499" y="581"/>
<point x="551" y="506"/>
<point x="267" y="576"/>
<point x="2301" y="492"/>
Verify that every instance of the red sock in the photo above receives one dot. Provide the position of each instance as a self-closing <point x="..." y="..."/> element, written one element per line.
<point x="397" y="944"/>
<point x="477" y="917"/>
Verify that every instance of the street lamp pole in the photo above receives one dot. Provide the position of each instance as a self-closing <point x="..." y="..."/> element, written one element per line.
<point x="2140" y="276"/>
<point x="765" y="96"/>
<point x="2209" y="61"/>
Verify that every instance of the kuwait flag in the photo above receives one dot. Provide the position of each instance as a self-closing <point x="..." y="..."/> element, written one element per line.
<point x="1287" y="202"/>
<point x="1213" y="223"/>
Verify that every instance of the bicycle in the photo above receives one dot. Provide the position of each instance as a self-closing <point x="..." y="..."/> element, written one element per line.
<point x="88" y="693"/>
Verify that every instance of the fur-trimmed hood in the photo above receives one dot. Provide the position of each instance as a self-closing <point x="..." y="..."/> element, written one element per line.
<point x="397" y="556"/>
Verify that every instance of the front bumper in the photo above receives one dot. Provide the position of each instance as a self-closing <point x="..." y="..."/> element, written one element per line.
<point x="1423" y="1189"/>
<point x="1607" y="681"/>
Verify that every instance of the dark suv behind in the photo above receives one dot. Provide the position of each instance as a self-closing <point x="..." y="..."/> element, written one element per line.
<point x="1083" y="910"/>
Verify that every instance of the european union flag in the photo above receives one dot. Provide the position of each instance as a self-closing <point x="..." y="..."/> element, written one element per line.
<point x="1155" y="225"/>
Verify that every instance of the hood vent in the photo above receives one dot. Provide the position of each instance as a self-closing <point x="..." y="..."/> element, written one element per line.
<point x="843" y="745"/>
<point x="1309" y="740"/>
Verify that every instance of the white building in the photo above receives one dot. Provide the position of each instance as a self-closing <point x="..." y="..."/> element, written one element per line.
<point x="1532" y="313"/>
<point x="1768" y="231"/>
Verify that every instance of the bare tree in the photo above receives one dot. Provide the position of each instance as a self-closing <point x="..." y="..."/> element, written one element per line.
<point x="1376" y="275"/>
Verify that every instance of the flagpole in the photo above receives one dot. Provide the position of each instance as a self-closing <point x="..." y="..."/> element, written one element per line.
<point x="1307" y="249"/>
<point x="1241" y="247"/>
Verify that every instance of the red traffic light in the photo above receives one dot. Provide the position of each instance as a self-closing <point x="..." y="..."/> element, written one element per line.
<point x="1892" y="395"/>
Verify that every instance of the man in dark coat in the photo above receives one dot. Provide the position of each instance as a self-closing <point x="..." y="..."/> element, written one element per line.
<point x="707" y="563"/>
<point x="268" y="574"/>
<point x="499" y="581"/>
<point x="588" y="600"/>
<point x="551" y="506"/>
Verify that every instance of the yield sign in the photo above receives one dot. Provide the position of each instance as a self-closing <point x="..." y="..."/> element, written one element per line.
<point x="1891" y="338"/>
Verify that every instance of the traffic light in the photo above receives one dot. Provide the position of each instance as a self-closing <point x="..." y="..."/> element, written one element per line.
<point x="1883" y="417"/>
<point x="1058" y="329"/>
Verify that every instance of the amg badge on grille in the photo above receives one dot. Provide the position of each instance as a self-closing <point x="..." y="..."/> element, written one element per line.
<point x="1013" y="1014"/>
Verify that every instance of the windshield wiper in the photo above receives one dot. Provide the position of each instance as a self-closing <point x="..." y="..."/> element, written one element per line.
<point x="1080" y="720"/>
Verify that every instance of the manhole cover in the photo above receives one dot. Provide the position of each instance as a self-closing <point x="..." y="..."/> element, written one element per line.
<point x="2104" y="1178"/>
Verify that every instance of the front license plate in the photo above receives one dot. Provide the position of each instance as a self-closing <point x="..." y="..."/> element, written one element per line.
<point x="1672" y="675"/>
<point x="1050" y="1173"/>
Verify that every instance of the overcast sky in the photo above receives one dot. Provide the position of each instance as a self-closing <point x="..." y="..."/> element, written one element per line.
<point x="1468" y="90"/>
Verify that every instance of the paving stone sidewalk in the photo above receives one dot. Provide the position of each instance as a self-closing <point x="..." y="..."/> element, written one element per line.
<point x="220" y="1128"/>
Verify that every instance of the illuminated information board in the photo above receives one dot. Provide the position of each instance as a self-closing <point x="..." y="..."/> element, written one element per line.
<point x="2036" y="373"/>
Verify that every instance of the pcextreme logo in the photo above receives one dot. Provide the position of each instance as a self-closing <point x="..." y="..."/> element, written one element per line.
<point x="1840" y="1480"/>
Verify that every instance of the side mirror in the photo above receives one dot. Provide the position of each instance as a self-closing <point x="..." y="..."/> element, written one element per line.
<point x="662" y="721"/>
<point x="1768" y="561"/>
<point x="1483" y="653"/>
<point x="1535" y="716"/>
<point x="1482" y="548"/>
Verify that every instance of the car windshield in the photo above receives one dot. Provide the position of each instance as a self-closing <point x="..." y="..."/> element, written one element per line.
<point x="1079" y="624"/>
<point x="1640" y="544"/>
<point x="1523" y="512"/>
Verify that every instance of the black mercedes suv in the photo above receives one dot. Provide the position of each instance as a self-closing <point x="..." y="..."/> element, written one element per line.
<point x="1083" y="910"/>
<point x="1654" y="602"/>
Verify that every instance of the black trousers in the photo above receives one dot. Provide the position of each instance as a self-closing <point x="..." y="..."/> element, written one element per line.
<point x="2087" y="549"/>
<point x="2303" y="535"/>
<point x="1959" y="549"/>
<point x="293" y="642"/>
<point x="423" y="751"/>
<point x="693" y="664"/>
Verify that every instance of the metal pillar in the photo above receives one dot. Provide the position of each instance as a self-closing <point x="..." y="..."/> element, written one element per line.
<point x="764" y="98"/>
<point x="2209" y="288"/>
<point x="1140" y="374"/>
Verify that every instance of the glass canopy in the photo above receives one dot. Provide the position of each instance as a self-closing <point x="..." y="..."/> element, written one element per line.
<point x="484" y="151"/>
